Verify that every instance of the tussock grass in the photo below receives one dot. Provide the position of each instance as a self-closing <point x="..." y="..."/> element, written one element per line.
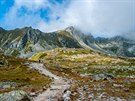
<point x="18" y="72"/>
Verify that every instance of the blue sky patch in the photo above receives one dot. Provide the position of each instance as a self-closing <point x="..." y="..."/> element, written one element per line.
<point x="5" y="6"/>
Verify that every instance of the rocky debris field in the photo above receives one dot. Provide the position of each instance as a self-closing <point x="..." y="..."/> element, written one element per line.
<point x="103" y="90"/>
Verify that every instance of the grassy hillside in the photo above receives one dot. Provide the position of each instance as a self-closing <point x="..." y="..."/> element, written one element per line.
<point x="86" y="61"/>
<point x="14" y="70"/>
<point x="81" y="65"/>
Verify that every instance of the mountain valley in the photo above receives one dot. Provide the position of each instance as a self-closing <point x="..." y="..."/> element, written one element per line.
<point x="34" y="63"/>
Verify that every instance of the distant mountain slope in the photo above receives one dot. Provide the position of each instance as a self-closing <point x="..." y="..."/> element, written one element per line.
<point x="118" y="45"/>
<point x="26" y="41"/>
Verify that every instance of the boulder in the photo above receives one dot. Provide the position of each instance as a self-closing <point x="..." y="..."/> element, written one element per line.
<point x="17" y="95"/>
<point x="66" y="95"/>
<point x="102" y="76"/>
<point x="7" y="85"/>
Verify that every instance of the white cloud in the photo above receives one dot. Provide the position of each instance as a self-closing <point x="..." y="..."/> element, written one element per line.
<point x="105" y="18"/>
<point x="99" y="17"/>
<point x="32" y="17"/>
<point x="14" y="20"/>
<point x="102" y="18"/>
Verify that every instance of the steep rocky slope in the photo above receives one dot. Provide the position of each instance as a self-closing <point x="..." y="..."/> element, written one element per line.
<point x="27" y="41"/>
<point x="117" y="45"/>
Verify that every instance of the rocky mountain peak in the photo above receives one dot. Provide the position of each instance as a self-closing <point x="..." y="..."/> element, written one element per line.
<point x="70" y="28"/>
<point x="74" y="31"/>
<point x="30" y="28"/>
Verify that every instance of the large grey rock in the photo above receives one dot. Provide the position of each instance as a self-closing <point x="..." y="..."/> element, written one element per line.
<point x="102" y="76"/>
<point x="17" y="95"/>
<point x="7" y="84"/>
<point x="66" y="95"/>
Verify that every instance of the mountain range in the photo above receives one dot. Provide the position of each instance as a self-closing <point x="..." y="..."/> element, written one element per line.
<point x="24" y="42"/>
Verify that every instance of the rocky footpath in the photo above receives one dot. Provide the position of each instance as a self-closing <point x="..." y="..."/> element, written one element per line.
<point x="58" y="91"/>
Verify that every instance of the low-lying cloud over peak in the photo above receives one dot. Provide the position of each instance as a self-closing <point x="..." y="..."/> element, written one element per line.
<point x="104" y="18"/>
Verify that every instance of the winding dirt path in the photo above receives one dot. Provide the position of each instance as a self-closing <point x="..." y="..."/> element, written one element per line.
<point x="57" y="88"/>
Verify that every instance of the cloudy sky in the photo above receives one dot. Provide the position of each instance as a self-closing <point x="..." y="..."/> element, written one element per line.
<point x="100" y="17"/>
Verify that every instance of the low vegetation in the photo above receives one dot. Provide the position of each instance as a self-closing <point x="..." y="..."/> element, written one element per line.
<point x="81" y="65"/>
<point x="15" y="70"/>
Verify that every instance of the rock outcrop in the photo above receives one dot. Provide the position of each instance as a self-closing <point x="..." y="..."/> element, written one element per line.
<point x="17" y="95"/>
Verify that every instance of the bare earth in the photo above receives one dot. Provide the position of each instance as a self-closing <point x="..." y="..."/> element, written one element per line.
<point x="55" y="92"/>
